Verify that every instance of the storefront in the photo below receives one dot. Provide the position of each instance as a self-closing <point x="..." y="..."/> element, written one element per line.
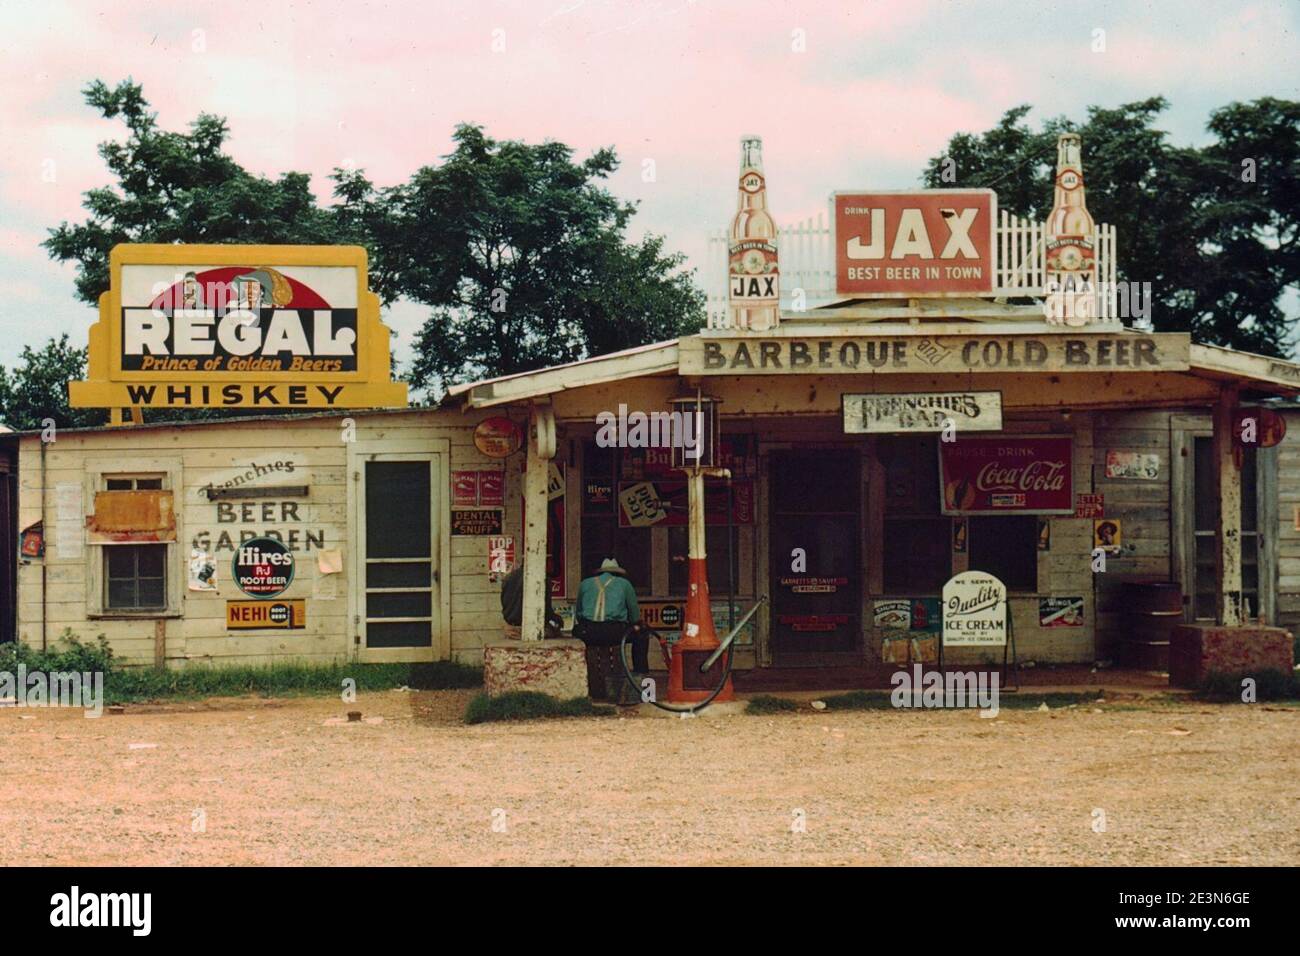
<point x="901" y="425"/>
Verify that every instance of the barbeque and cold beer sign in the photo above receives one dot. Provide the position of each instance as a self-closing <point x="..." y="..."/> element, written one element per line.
<point x="238" y="327"/>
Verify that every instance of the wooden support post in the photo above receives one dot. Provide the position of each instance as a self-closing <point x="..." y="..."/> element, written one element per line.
<point x="160" y="644"/>
<point x="541" y="449"/>
<point x="1227" y="474"/>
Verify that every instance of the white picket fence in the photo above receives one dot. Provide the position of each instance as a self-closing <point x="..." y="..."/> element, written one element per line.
<point x="807" y="259"/>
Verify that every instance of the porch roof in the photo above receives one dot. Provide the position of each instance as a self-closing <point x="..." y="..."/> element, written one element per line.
<point x="1259" y="375"/>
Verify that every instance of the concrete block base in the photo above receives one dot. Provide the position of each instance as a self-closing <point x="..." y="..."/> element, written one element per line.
<point x="1196" y="650"/>
<point x="558" y="668"/>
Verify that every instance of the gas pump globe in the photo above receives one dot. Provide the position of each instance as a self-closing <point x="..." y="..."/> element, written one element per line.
<point x="690" y="681"/>
<point x="698" y="415"/>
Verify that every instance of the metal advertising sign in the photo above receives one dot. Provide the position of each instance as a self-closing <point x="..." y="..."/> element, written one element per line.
<point x="475" y="521"/>
<point x="262" y="567"/>
<point x="1000" y="475"/>
<point x="926" y="242"/>
<point x="974" y="611"/>
<point x="238" y="327"/>
<point x="922" y="412"/>
<point x="498" y="437"/>
<point x="266" y="615"/>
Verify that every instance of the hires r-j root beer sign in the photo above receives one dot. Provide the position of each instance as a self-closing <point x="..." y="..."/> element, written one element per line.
<point x="929" y="242"/>
<point x="236" y="327"/>
<point x="1000" y="475"/>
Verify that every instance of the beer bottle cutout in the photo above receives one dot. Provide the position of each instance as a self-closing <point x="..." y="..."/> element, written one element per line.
<point x="754" y="293"/>
<point x="1070" y="236"/>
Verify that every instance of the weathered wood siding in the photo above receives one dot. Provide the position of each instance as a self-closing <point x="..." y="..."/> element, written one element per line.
<point x="310" y="451"/>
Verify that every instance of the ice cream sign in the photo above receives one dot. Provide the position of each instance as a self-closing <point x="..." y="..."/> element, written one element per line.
<point x="930" y="242"/>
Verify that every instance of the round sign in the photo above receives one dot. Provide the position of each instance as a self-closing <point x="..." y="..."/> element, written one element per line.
<point x="278" y="613"/>
<point x="498" y="437"/>
<point x="263" y="568"/>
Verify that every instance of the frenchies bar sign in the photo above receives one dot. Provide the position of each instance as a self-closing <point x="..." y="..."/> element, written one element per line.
<point x="238" y="327"/>
<point x="1001" y="475"/>
<point x="930" y="242"/>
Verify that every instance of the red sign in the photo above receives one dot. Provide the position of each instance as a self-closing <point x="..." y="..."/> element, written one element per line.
<point x="464" y="488"/>
<point x="929" y="242"/>
<point x="1007" y="475"/>
<point x="498" y="437"/>
<point x="1090" y="506"/>
<point x="492" y="488"/>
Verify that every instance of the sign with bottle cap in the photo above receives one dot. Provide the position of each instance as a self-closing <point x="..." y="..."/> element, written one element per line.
<point x="923" y="242"/>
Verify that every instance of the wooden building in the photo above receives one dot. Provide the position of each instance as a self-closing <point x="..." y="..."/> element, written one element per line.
<point x="392" y="516"/>
<point x="921" y="387"/>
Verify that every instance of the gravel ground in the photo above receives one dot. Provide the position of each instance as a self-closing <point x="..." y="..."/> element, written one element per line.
<point x="290" y="782"/>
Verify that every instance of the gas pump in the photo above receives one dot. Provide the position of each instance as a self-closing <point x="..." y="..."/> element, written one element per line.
<point x="697" y="675"/>
<point x="687" y="684"/>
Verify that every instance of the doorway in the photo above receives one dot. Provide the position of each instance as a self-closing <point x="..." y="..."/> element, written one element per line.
<point x="816" y="569"/>
<point x="399" y="557"/>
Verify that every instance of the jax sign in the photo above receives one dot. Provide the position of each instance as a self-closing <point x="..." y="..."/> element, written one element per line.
<point x="238" y="327"/>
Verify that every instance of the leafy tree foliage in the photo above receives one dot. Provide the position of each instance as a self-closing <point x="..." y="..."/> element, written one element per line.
<point x="1212" y="229"/>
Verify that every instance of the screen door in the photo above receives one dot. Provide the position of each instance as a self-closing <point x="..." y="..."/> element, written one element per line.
<point x="399" y="590"/>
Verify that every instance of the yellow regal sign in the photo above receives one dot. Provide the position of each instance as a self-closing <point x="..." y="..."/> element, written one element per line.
<point x="238" y="327"/>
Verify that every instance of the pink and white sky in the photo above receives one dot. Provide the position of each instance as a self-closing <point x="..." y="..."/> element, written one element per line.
<point x="861" y="97"/>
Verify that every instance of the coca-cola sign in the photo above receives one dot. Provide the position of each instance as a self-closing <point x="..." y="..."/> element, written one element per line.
<point x="1001" y="475"/>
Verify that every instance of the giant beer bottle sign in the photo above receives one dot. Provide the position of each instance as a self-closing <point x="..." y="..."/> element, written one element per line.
<point x="753" y="274"/>
<point x="238" y="327"/>
<point x="1069" y="238"/>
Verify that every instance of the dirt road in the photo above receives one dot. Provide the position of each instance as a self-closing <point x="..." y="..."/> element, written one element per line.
<point x="286" y="782"/>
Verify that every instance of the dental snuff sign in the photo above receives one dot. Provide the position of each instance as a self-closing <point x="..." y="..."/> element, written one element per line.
<point x="974" y="611"/>
<point x="926" y="242"/>
<point x="238" y="327"/>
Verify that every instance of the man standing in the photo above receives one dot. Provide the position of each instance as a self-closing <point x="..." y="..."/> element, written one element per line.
<point x="605" y="608"/>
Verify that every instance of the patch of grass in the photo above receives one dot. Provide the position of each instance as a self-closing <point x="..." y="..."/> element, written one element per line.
<point x="285" y="679"/>
<point x="123" y="684"/>
<point x="1269" y="685"/>
<point x="768" y="704"/>
<point x="859" y="700"/>
<point x="530" y="705"/>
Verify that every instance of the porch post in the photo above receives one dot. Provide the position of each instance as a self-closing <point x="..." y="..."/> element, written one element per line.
<point x="1228" y="537"/>
<point x="541" y="449"/>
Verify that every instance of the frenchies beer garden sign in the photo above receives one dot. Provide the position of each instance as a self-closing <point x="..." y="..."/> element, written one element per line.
<point x="238" y="327"/>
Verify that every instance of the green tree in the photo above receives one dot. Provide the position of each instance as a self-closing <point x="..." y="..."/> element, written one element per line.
<point x="1218" y="249"/>
<point x="517" y="248"/>
<point x="37" y="388"/>
<point x="521" y="254"/>
<point x="180" y="187"/>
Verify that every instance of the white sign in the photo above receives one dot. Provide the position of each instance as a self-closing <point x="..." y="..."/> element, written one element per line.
<point x="974" y="611"/>
<point x="923" y="412"/>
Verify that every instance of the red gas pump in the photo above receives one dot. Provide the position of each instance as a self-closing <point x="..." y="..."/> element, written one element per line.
<point x="687" y="682"/>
